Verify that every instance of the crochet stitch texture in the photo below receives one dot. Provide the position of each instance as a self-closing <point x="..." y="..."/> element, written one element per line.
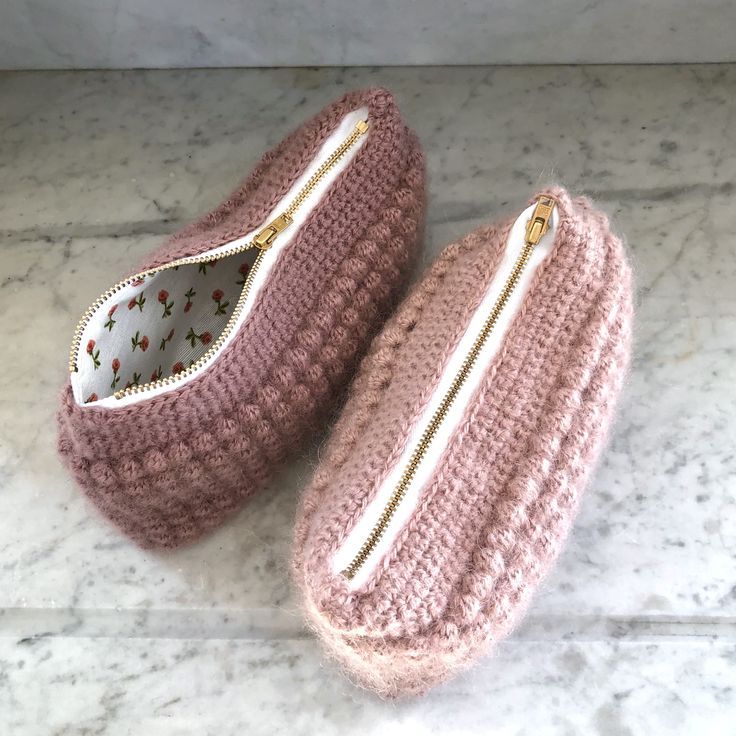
<point x="170" y="467"/>
<point x="503" y="494"/>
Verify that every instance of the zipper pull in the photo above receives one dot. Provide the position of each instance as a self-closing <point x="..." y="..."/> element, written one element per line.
<point x="264" y="239"/>
<point x="540" y="219"/>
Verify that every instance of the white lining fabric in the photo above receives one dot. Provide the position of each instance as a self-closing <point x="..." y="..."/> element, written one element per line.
<point x="362" y="529"/>
<point x="168" y="324"/>
<point x="93" y="330"/>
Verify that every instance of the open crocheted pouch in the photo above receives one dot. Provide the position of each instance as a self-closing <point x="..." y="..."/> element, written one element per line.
<point x="454" y="472"/>
<point x="224" y="347"/>
<point x="162" y="327"/>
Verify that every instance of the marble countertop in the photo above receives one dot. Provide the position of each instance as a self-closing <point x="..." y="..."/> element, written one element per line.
<point x="635" y="630"/>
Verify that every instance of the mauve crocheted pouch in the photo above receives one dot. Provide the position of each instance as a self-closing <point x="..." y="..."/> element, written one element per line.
<point x="192" y="378"/>
<point x="453" y="475"/>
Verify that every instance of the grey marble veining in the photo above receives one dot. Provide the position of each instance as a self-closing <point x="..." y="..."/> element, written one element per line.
<point x="98" y="167"/>
<point x="184" y="686"/>
<point x="44" y="34"/>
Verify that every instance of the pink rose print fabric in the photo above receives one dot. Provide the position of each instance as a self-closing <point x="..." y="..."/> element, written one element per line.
<point x="160" y="325"/>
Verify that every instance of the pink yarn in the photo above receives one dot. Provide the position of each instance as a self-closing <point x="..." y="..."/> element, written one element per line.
<point x="169" y="468"/>
<point x="502" y="497"/>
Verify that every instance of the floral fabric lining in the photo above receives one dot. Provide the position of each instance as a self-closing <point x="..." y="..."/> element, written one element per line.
<point x="161" y="327"/>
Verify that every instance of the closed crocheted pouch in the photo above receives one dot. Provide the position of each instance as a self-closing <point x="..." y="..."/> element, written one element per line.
<point x="453" y="474"/>
<point x="191" y="378"/>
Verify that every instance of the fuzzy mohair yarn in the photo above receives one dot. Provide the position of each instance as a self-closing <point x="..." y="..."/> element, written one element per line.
<point x="503" y="493"/>
<point x="172" y="466"/>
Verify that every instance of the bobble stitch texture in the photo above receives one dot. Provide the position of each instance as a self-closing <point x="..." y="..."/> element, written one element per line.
<point x="164" y="470"/>
<point x="492" y="518"/>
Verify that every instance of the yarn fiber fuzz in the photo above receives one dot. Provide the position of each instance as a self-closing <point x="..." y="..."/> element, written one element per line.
<point x="503" y="493"/>
<point x="170" y="467"/>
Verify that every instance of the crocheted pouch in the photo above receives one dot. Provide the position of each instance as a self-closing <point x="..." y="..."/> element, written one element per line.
<point x="191" y="378"/>
<point x="453" y="474"/>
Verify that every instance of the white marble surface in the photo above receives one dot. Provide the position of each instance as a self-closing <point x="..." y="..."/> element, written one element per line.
<point x="122" y="34"/>
<point x="186" y="686"/>
<point x="634" y="632"/>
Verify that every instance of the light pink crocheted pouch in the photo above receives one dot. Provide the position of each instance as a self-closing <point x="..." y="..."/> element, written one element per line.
<point x="192" y="378"/>
<point x="454" y="472"/>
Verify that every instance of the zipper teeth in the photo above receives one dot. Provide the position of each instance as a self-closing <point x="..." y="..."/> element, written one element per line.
<point x="360" y="128"/>
<point x="216" y="345"/>
<point x="441" y="412"/>
<point x="92" y="309"/>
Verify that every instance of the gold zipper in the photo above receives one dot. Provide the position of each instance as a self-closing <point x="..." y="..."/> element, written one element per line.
<point x="537" y="226"/>
<point x="263" y="240"/>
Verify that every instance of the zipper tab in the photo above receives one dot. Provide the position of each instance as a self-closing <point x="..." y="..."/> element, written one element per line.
<point x="264" y="239"/>
<point x="539" y="222"/>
